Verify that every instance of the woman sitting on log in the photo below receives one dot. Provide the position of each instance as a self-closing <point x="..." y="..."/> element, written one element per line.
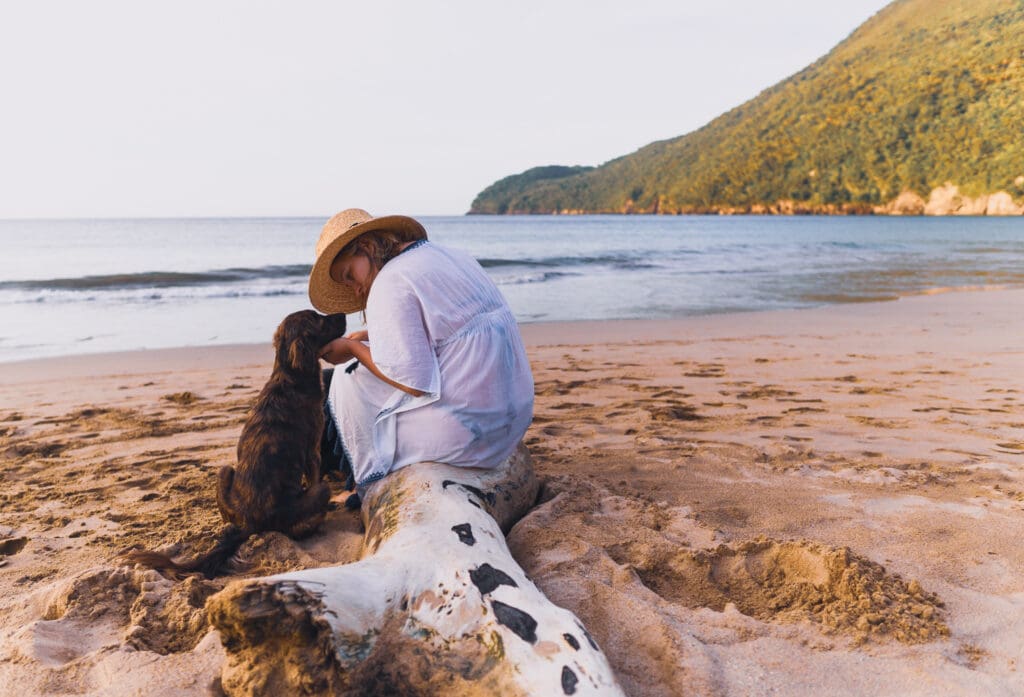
<point x="430" y="418"/>
<point x="443" y="375"/>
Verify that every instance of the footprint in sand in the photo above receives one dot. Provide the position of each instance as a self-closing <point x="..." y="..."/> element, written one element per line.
<point x="12" y="545"/>
<point x="674" y="394"/>
<point x="875" y="422"/>
<point x="37" y="450"/>
<point x="706" y="370"/>
<point x="804" y="410"/>
<point x="764" y="392"/>
<point x="559" y="387"/>
<point x="182" y="398"/>
<point x="137" y="483"/>
<point x="678" y="412"/>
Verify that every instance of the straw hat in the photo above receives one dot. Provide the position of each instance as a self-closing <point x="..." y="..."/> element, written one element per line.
<point x="326" y="294"/>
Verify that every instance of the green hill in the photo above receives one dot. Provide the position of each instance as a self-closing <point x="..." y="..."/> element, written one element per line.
<point x="923" y="93"/>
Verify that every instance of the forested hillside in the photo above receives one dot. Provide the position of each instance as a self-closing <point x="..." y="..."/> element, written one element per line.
<point x="924" y="93"/>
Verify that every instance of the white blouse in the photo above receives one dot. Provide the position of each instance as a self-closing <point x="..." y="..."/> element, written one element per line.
<point x="437" y="324"/>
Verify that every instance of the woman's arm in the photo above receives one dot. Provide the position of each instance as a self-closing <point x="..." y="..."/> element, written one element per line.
<point x="344" y="349"/>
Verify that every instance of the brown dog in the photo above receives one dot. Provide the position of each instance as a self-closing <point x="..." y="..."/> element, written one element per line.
<point x="276" y="484"/>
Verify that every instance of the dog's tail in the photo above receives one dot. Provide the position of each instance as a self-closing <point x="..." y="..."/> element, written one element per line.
<point x="228" y="542"/>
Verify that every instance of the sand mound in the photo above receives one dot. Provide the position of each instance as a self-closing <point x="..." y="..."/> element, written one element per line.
<point x="144" y="610"/>
<point x="151" y="612"/>
<point x="172" y="619"/>
<point x="659" y="591"/>
<point x="770" y="580"/>
<point x="100" y="593"/>
<point x="774" y="580"/>
<point x="112" y="632"/>
<point x="273" y="553"/>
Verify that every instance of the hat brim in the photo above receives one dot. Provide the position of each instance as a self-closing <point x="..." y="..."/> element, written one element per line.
<point x="329" y="296"/>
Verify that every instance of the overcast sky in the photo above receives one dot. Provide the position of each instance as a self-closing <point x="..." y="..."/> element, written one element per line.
<point x="208" y="108"/>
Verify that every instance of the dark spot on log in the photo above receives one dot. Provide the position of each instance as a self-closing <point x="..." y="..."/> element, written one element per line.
<point x="569" y="680"/>
<point x="524" y="626"/>
<point x="487" y="578"/>
<point x="405" y="603"/>
<point x="571" y="641"/>
<point x="486" y="497"/>
<point x="465" y="533"/>
<point x="589" y="638"/>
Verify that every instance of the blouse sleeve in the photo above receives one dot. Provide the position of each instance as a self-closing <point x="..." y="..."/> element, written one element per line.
<point x="399" y="342"/>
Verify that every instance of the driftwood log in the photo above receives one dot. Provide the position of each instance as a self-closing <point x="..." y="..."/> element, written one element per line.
<point x="435" y="606"/>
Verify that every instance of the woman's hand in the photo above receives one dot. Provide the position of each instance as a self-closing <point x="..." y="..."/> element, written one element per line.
<point x="339" y="350"/>
<point x="361" y="335"/>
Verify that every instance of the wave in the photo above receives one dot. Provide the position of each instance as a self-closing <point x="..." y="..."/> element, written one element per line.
<point x="153" y="295"/>
<point x="846" y="298"/>
<point x="963" y="289"/>
<point x="881" y="295"/>
<point x="530" y="277"/>
<point x="159" y="279"/>
<point x="267" y="281"/>
<point x="987" y="250"/>
<point x="281" y="272"/>
<point x="619" y="261"/>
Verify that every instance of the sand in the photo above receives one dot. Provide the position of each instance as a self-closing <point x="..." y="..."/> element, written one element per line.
<point x="825" y="501"/>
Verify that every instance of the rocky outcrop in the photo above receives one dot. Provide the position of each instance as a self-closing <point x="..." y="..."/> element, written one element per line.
<point x="943" y="200"/>
<point x="947" y="200"/>
<point x="1001" y="203"/>
<point x="907" y="203"/>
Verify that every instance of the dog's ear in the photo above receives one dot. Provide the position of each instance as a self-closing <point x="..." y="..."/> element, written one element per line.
<point x="280" y="345"/>
<point x="296" y="351"/>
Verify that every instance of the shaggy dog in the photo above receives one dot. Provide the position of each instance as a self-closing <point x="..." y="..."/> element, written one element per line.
<point x="276" y="484"/>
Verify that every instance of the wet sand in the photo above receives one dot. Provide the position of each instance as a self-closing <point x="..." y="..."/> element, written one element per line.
<point x="807" y="502"/>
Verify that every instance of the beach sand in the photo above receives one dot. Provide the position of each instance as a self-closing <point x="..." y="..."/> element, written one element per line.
<point x="825" y="501"/>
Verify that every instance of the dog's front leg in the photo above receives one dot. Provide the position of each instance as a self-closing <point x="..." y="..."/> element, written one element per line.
<point x="310" y="511"/>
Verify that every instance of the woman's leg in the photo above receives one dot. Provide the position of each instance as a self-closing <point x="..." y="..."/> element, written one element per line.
<point x="332" y="453"/>
<point x="356" y="398"/>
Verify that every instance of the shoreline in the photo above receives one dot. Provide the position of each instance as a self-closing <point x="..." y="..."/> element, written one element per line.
<point x="535" y="334"/>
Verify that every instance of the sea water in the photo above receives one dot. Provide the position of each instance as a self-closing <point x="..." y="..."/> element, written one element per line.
<point x="83" y="286"/>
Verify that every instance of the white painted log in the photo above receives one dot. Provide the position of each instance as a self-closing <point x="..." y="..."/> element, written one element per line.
<point x="436" y="604"/>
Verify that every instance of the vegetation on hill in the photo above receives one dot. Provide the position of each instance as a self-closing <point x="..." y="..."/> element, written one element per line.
<point x="513" y="187"/>
<point x="923" y="93"/>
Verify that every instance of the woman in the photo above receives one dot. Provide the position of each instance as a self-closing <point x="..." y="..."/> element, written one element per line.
<point x="442" y="374"/>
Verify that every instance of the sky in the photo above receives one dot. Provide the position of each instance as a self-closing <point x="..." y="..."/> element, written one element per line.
<point x="261" y="108"/>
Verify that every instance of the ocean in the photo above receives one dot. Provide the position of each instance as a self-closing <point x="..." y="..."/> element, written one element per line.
<point x="85" y="286"/>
